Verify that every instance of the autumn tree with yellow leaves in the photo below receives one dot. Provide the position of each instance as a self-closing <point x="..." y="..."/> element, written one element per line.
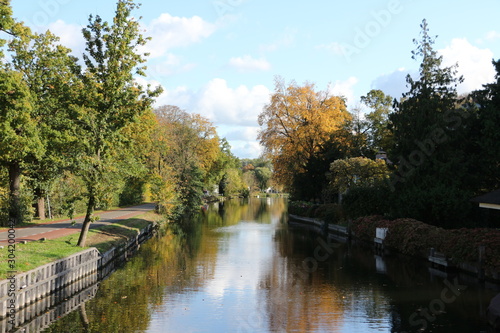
<point x="296" y="125"/>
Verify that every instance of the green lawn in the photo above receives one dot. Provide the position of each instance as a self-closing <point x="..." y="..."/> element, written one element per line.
<point x="34" y="254"/>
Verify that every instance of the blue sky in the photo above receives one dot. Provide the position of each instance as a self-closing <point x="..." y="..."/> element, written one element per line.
<point x="219" y="58"/>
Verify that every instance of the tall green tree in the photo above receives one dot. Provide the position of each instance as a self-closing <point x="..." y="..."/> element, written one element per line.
<point x="263" y="176"/>
<point x="110" y="101"/>
<point x="51" y="75"/>
<point x="379" y="137"/>
<point x="486" y="152"/>
<point x="428" y="131"/>
<point x="20" y="140"/>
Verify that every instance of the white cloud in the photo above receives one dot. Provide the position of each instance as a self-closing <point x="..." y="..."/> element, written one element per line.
<point x="474" y="64"/>
<point x="490" y="36"/>
<point x="169" y="65"/>
<point x="225" y="105"/>
<point x="393" y="84"/>
<point x="344" y="88"/>
<point x="169" y="32"/>
<point x="233" y="110"/>
<point x="70" y="34"/>
<point x="221" y="104"/>
<point x="249" y="64"/>
<point x="242" y="133"/>
<point x="246" y="149"/>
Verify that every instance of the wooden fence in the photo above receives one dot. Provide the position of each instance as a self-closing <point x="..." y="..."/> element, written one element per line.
<point x="29" y="287"/>
<point x="40" y="296"/>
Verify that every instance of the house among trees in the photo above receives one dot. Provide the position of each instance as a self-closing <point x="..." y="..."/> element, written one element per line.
<point x="490" y="201"/>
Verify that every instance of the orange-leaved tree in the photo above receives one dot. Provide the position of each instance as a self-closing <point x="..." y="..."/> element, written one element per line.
<point x="296" y="124"/>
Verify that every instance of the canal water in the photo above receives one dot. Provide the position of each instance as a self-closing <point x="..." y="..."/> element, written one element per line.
<point x="243" y="268"/>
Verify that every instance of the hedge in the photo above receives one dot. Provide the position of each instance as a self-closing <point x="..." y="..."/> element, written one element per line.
<point x="415" y="238"/>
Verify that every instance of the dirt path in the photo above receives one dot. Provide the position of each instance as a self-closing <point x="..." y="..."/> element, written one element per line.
<point x="65" y="227"/>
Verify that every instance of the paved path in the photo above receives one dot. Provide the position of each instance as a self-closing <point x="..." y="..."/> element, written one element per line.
<point x="64" y="227"/>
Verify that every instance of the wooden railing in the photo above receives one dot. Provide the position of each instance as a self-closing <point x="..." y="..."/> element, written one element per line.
<point x="29" y="287"/>
<point x="37" y="291"/>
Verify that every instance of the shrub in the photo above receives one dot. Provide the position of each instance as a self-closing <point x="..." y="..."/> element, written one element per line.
<point x="415" y="238"/>
<point x="302" y="208"/>
<point x="365" y="201"/>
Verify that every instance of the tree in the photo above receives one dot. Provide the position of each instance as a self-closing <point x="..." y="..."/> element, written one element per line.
<point x="19" y="135"/>
<point x="297" y="123"/>
<point x="193" y="151"/>
<point x="110" y="101"/>
<point x="53" y="95"/>
<point x="380" y="137"/>
<point x="20" y="139"/>
<point x="224" y="161"/>
<point x="356" y="171"/>
<point x="486" y="151"/>
<point x="263" y="176"/>
<point x="356" y="134"/>
<point x="428" y="133"/>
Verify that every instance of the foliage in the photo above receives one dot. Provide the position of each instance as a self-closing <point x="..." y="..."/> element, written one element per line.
<point x="415" y="238"/>
<point x="379" y="135"/>
<point x="111" y="101"/>
<point x="233" y="183"/>
<point x="297" y="123"/>
<point x="263" y="176"/>
<point x="331" y="213"/>
<point x="367" y="200"/>
<point x="356" y="171"/>
<point x="302" y="208"/>
<point x="187" y="154"/>
<point x="485" y="136"/>
<point x="132" y="192"/>
<point x="428" y="138"/>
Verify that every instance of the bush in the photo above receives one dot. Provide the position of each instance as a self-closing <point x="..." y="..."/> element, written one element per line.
<point x="415" y="238"/>
<point x="366" y="201"/>
<point x="302" y="208"/>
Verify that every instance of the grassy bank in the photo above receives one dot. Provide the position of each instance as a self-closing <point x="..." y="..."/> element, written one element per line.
<point x="34" y="254"/>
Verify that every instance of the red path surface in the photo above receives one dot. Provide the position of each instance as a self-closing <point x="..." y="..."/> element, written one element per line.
<point x="62" y="228"/>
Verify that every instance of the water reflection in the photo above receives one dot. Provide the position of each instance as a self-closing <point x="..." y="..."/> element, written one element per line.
<point x="242" y="268"/>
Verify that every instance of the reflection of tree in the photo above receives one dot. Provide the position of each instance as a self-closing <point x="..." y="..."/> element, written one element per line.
<point x="296" y="300"/>
<point x="84" y="318"/>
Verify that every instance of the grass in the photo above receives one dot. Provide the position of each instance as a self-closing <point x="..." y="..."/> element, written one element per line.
<point x="34" y="254"/>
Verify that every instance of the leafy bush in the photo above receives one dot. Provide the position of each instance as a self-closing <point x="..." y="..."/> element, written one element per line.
<point x="366" y="200"/>
<point x="415" y="238"/>
<point x="302" y="208"/>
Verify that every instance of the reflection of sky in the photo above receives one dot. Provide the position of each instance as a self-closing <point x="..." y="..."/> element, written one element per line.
<point x="244" y="254"/>
<point x="247" y="286"/>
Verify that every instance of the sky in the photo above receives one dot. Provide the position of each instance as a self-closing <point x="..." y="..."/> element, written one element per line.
<point x="219" y="58"/>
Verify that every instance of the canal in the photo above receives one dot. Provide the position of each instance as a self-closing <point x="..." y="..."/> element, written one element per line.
<point x="242" y="268"/>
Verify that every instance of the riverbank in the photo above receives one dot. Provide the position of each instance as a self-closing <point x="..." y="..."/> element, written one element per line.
<point x="474" y="251"/>
<point x="37" y="253"/>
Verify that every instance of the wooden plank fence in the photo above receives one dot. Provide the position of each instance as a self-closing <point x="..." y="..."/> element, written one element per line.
<point x="47" y="286"/>
<point x="33" y="285"/>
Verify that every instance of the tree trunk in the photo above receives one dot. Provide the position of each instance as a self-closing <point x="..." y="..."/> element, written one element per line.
<point x="87" y="221"/>
<point x="14" y="193"/>
<point x="40" y="204"/>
